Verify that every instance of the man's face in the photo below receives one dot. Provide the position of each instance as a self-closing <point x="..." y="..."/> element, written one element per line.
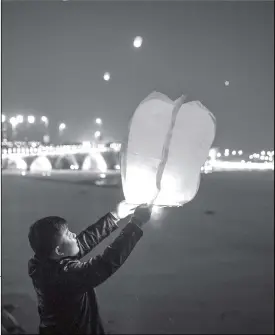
<point x="68" y="244"/>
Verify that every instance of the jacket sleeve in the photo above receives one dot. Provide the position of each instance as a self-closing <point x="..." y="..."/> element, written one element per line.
<point x="82" y="276"/>
<point x="94" y="234"/>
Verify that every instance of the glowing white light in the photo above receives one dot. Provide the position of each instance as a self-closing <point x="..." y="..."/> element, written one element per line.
<point x="97" y="134"/>
<point x="212" y="153"/>
<point x="23" y="173"/>
<point x="62" y="126"/>
<point x="219" y="154"/>
<point x="226" y="152"/>
<point x="20" y="118"/>
<point x="102" y="175"/>
<point x="263" y="153"/>
<point x="31" y="119"/>
<point x="117" y="167"/>
<point x="262" y="158"/>
<point x="98" y="121"/>
<point x="137" y="42"/>
<point x="270" y="159"/>
<point x="226" y="83"/>
<point x="240" y="152"/>
<point x="45" y="120"/>
<point x="106" y="76"/>
<point x="234" y="152"/>
<point x="3" y="118"/>
<point x="251" y="156"/>
<point x="13" y="121"/>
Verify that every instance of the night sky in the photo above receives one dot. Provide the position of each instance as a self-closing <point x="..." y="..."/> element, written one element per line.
<point x="55" y="53"/>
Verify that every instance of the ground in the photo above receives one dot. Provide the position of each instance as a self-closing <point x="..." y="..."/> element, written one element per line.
<point x="205" y="268"/>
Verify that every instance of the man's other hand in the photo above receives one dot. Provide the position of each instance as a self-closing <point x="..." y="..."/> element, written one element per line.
<point x="123" y="209"/>
<point x="142" y="213"/>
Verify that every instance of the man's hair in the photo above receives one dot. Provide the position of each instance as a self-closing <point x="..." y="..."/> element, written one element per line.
<point x="44" y="235"/>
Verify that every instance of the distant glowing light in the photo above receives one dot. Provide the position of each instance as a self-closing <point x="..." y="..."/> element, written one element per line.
<point x="3" y="118"/>
<point x="226" y="83"/>
<point x="212" y="153"/>
<point x="137" y="42"/>
<point x="262" y="158"/>
<point x="13" y="121"/>
<point x="117" y="167"/>
<point x="106" y="76"/>
<point x="263" y="153"/>
<point x="20" y="118"/>
<point x="251" y="157"/>
<point x="23" y="173"/>
<point x="31" y="119"/>
<point x="98" y="121"/>
<point x="226" y="152"/>
<point x="102" y="175"/>
<point x="44" y="119"/>
<point x="240" y="152"/>
<point x="62" y="126"/>
<point x="234" y="152"/>
<point x="219" y="154"/>
<point x="97" y="134"/>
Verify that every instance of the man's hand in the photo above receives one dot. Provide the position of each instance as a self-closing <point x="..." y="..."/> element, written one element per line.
<point x="142" y="214"/>
<point x="123" y="210"/>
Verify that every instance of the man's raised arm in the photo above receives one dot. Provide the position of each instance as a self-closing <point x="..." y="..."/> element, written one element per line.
<point x="97" y="232"/>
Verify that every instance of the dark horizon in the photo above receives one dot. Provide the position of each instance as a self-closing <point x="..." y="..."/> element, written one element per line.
<point x="54" y="55"/>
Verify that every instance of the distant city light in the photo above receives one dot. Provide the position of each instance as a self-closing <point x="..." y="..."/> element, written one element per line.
<point x="137" y="42"/>
<point x="226" y="83"/>
<point x="240" y="152"/>
<point x="263" y="153"/>
<point x="226" y="152"/>
<point x="107" y="76"/>
<point x="13" y="121"/>
<point x="219" y="154"/>
<point x="44" y="119"/>
<point x="20" y="118"/>
<point x="98" y="121"/>
<point x="62" y="126"/>
<point x="3" y="118"/>
<point x="31" y="119"/>
<point x="97" y="134"/>
<point x="234" y="152"/>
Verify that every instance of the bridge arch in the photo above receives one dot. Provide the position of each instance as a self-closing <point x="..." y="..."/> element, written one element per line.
<point x="94" y="161"/>
<point x="41" y="163"/>
<point x="67" y="162"/>
<point x="14" y="163"/>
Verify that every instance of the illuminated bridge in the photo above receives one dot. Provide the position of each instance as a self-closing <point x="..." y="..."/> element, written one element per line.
<point x="74" y="157"/>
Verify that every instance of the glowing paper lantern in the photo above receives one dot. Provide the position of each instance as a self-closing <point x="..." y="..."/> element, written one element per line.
<point x="168" y="142"/>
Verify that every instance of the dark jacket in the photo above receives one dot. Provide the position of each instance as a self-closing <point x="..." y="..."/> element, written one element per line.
<point x="65" y="288"/>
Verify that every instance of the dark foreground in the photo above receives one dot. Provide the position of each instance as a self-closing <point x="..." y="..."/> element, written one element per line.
<point x="206" y="268"/>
